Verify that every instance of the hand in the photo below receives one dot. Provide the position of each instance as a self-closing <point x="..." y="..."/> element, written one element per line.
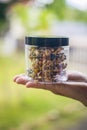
<point x="75" y="87"/>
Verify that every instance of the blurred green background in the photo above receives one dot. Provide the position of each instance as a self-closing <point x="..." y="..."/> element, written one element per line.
<point x="32" y="109"/>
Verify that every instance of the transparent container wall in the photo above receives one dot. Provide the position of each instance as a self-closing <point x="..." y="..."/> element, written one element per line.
<point x="46" y="64"/>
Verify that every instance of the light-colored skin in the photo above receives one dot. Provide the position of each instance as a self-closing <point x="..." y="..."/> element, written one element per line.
<point x="75" y="87"/>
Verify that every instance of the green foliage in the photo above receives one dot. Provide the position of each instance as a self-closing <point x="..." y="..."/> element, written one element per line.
<point x="81" y="16"/>
<point x="3" y="19"/>
<point x="41" y="20"/>
<point x="59" y="8"/>
<point x="3" y="8"/>
<point x="64" y="12"/>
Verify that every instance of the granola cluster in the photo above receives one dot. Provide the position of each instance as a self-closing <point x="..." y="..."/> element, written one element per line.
<point x="46" y="63"/>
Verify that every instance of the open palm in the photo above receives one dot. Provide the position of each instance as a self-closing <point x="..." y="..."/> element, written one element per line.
<point x="75" y="87"/>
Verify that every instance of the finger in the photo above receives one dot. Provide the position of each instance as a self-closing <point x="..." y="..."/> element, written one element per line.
<point x="17" y="76"/>
<point x="34" y="84"/>
<point x="77" y="77"/>
<point x="22" y="79"/>
<point x="14" y="79"/>
<point x="40" y="85"/>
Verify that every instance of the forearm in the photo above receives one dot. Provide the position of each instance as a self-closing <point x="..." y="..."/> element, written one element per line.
<point x="77" y="91"/>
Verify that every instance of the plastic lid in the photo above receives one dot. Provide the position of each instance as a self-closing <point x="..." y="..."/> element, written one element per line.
<point x="47" y="41"/>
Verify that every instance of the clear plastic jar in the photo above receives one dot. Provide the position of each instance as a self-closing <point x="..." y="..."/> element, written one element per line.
<point x="47" y="58"/>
